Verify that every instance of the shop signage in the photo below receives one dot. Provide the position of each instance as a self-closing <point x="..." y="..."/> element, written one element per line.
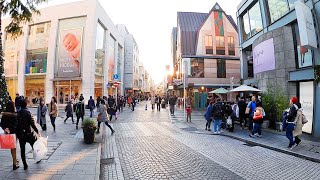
<point x="36" y="63"/>
<point x="263" y="57"/>
<point x="306" y="25"/>
<point x="69" y="52"/>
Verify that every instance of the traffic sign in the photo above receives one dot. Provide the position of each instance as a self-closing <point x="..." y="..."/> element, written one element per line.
<point x="115" y="76"/>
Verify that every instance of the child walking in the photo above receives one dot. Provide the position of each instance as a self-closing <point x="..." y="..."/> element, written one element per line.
<point x="188" y="109"/>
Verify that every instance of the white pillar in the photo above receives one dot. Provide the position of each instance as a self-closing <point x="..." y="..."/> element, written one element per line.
<point x="22" y="62"/>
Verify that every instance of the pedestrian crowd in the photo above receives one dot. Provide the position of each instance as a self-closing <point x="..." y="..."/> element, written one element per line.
<point x="251" y="116"/>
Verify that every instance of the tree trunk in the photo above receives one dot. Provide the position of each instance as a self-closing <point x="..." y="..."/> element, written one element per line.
<point x="3" y="85"/>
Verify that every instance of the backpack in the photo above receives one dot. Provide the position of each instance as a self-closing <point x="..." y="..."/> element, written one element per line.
<point x="218" y="110"/>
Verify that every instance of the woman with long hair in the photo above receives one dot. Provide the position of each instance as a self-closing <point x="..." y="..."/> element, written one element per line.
<point x="53" y="112"/>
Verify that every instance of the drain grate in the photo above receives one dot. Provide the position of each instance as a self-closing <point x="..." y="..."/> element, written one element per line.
<point x="250" y="145"/>
<point x="107" y="161"/>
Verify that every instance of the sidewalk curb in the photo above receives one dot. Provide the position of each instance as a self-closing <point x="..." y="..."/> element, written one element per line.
<point x="266" y="146"/>
<point x="97" y="176"/>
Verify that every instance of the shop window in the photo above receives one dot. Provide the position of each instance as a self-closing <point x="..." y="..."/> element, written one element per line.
<point x="231" y="46"/>
<point x="303" y="55"/>
<point x="197" y="68"/>
<point x="221" y="68"/>
<point x="250" y="68"/>
<point x="220" y="45"/>
<point x="208" y="44"/>
<point x="35" y="88"/>
<point x="278" y="8"/>
<point x="251" y="22"/>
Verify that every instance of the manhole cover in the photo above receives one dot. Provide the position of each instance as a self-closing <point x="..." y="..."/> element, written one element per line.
<point x="107" y="161"/>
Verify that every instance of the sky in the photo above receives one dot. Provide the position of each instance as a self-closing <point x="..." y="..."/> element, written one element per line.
<point x="151" y="23"/>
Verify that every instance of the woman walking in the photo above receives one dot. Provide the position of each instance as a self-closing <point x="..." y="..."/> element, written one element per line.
<point x="8" y="122"/>
<point x="53" y="112"/>
<point x="112" y="110"/>
<point x="41" y="115"/>
<point x="258" y="116"/>
<point x="27" y="131"/>
<point x="69" y="112"/>
<point x="102" y="116"/>
<point x="291" y="121"/>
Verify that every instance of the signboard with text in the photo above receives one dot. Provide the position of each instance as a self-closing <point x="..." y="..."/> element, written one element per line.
<point x="263" y="57"/>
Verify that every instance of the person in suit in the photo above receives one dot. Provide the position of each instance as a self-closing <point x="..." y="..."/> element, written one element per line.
<point x="91" y="105"/>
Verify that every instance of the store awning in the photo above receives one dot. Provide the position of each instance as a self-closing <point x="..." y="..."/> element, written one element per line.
<point x="67" y="79"/>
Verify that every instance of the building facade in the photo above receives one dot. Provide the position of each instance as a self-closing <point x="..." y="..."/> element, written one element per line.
<point x="279" y="45"/>
<point x="131" y="61"/>
<point x="206" y="55"/>
<point x="75" y="51"/>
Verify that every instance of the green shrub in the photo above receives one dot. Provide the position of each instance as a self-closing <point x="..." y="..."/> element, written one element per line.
<point x="89" y="124"/>
<point x="275" y="101"/>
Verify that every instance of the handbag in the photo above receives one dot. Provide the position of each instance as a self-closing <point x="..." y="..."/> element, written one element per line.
<point x="7" y="141"/>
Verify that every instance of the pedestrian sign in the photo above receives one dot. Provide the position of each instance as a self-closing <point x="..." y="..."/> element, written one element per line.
<point x="115" y="76"/>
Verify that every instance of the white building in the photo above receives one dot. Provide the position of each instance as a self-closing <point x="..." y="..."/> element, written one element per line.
<point x="131" y="61"/>
<point x="69" y="49"/>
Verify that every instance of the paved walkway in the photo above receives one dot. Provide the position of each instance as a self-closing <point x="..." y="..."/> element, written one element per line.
<point x="150" y="145"/>
<point x="68" y="158"/>
<point x="272" y="139"/>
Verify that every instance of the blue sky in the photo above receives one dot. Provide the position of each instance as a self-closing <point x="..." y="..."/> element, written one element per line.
<point x="151" y="22"/>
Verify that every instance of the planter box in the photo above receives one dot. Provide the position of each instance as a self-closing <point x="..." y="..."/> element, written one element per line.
<point x="279" y="126"/>
<point x="265" y="124"/>
<point x="88" y="135"/>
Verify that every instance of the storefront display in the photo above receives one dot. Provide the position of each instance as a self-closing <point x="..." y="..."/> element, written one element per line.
<point x="65" y="90"/>
<point x="35" y="88"/>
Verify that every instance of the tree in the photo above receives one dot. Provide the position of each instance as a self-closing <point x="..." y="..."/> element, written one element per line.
<point x="20" y="11"/>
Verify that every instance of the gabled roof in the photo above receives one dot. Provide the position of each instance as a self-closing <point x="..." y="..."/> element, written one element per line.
<point x="190" y="24"/>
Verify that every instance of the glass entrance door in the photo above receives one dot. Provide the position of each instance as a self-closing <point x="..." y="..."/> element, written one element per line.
<point x="64" y="90"/>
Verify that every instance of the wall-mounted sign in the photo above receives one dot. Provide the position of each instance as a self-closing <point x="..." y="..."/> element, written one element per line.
<point x="115" y="76"/>
<point x="306" y="25"/>
<point x="263" y="57"/>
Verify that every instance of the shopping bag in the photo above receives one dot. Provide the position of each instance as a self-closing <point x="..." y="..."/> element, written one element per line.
<point x="7" y="141"/>
<point x="40" y="149"/>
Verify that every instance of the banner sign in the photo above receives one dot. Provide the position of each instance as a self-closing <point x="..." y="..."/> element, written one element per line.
<point x="263" y="57"/>
<point x="69" y="52"/>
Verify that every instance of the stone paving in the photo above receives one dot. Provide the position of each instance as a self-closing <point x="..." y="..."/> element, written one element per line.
<point x="150" y="145"/>
<point x="271" y="139"/>
<point x="68" y="157"/>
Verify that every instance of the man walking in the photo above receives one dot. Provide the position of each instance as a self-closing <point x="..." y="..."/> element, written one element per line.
<point x="242" y="112"/>
<point x="153" y="102"/>
<point x="172" y="103"/>
<point x="158" y="101"/>
<point x="91" y="105"/>
<point x="250" y="110"/>
<point x="218" y="115"/>
<point x="17" y="102"/>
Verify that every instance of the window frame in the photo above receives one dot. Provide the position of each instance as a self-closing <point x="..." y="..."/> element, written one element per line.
<point x="230" y="47"/>
<point x="224" y="71"/>
<point x="219" y="47"/>
<point x="247" y="12"/>
<point x="209" y="49"/>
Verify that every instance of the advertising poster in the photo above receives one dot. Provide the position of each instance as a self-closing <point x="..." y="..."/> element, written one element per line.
<point x="36" y="63"/>
<point x="69" y="52"/>
<point x="306" y="100"/>
<point x="111" y="62"/>
<point x="263" y="57"/>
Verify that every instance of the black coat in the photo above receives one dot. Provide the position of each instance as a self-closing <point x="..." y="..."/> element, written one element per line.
<point x="242" y="107"/>
<point x="91" y="104"/>
<point x="25" y="126"/>
<point x="69" y="110"/>
<point x="9" y="120"/>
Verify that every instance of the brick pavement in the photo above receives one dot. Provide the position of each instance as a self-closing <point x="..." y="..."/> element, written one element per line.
<point x="271" y="139"/>
<point x="147" y="145"/>
<point x="68" y="158"/>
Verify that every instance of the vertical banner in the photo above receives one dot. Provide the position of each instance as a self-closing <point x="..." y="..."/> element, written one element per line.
<point x="69" y="52"/>
<point x="218" y="22"/>
<point x="111" y="58"/>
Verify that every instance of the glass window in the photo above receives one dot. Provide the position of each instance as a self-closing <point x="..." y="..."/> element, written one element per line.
<point x="220" y="45"/>
<point x="304" y="55"/>
<point x="245" y="26"/>
<point x="99" y="61"/>
<point x="221" y="68"/>
<point x="208" y="44"/>
<point x="277" y="9"/>
<point x="255" y="19"/>
<point x="197" y="68"/>
<point x="231" y="47"/>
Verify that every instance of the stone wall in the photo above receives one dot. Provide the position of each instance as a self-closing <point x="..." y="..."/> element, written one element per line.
<point x="285" y="60"/>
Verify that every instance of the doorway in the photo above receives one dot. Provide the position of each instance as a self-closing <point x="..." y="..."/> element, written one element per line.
<point x="65" y="90"/>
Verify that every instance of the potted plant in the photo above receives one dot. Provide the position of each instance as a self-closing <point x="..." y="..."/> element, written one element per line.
<point x="89" y="127"/>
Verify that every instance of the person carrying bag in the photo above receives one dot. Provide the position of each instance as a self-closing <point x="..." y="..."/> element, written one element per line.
<point x="102" y="117"/>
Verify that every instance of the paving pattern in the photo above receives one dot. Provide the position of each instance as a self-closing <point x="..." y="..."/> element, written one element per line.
<point x="148" y="145"/>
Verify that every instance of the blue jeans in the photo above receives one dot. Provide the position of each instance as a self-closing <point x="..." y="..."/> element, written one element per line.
<point x="256" y="128"/>
<point x="289" y="133"/>
<point x="217" y="125"/>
